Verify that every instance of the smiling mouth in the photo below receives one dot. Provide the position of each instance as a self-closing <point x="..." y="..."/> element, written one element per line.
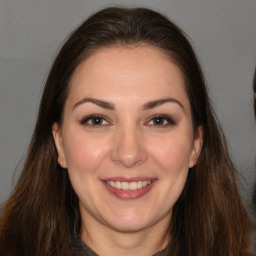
<point x="134" y="185"/>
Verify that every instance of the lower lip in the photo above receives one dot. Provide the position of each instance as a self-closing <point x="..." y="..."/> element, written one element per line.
<point x="129" y="194"/>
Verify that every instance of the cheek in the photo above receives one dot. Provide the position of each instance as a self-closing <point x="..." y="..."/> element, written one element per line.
<point x="172" y="158"/>
<point x="84" y="154"/>
<point x="172" y="153"/>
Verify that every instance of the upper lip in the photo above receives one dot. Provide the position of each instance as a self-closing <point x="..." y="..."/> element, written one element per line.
<point x="131" y="179"/>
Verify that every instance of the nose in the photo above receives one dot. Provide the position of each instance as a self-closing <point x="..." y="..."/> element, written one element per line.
<point x="128" y="149"/>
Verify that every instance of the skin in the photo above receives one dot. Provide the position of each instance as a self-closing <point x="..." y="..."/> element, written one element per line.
<point x="130" y="141"/>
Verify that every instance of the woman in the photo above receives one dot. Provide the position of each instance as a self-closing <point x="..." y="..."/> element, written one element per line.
<point x="127" y="157"/>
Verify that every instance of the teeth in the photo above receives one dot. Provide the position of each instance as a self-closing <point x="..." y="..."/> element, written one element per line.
<point x="139" y="184"/>
<point x="134" y="185"/>
<point x="144" y="183"/>
<point x="117" y="184"/>
<point x="125" y="186"/>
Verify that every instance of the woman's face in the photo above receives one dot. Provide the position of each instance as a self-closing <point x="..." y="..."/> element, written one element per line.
<point x="127" y="139"/>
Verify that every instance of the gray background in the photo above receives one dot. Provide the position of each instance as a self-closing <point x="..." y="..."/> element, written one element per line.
<point x="223" y="33"/>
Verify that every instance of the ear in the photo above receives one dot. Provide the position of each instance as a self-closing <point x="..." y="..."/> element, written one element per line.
<point x="56" y="132"/>
<point x="196" y="147"/>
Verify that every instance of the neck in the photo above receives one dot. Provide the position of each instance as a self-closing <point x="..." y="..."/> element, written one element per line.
<point x="106" y="241"/>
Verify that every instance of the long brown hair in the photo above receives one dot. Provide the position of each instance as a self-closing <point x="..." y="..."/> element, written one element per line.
<point x="208" y="219"/>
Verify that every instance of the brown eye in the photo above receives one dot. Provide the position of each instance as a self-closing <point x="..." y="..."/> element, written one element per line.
<point x="94" y="120"/>
<point x="161" y="121"/>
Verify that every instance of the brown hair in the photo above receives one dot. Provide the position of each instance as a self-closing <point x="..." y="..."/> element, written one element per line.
<point x="208" y="219"/>
<point x="254" y="104"/>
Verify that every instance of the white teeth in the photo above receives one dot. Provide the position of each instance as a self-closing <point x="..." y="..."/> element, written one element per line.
<point x="134" y="185"/>
<point x="139" y="184"/>
<point x="117" y="184"/>
<point x="125" y="186"/>
<point x="144" y="183"/>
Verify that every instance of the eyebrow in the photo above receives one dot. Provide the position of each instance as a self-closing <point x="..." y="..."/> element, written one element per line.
<point x="100" y="103"/>
<point x="110" y="106"/>
<point x="156" y="103"/>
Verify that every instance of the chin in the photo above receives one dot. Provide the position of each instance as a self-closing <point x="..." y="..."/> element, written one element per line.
<point x="129" y="227"/>
<point x="131" y="222"/>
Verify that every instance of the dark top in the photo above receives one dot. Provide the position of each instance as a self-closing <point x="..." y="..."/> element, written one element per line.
<point x="79" y="248"/>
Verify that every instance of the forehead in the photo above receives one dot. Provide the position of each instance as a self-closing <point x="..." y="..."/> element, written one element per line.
<point x="118" y="70"/>
<point x="141" y="54"/>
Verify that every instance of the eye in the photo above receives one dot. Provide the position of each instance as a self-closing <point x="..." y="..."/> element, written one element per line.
<point x="161" y="121"/>
<point x="95" y="120"/>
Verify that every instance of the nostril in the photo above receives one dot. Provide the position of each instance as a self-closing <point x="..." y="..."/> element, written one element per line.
<point x="128" y="149"/>
<point x="130" y="159"/>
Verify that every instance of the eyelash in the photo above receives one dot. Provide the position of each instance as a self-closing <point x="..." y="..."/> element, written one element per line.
<point x="164" y="121"/>
<point x="90" y="118"/>
<point x="163" y="118"/>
